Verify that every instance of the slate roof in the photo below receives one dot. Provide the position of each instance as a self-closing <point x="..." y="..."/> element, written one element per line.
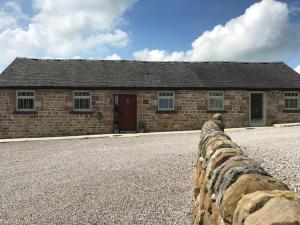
<point x="103" y="74"/>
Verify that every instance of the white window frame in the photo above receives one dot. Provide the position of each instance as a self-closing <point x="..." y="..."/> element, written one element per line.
<point x="166" y="97"/>
<point x="291" y="97"/>
<point x="82" y="97"/>
<point x="215" y="97"/>
<point x="25" y="97"/>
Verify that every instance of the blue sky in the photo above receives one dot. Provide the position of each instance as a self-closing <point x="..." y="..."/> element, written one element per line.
<point x="162" y="30"/>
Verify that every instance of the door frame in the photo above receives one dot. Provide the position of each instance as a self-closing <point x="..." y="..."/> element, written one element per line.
<point x="136" y="122"/>
<point x="263" y="121"/>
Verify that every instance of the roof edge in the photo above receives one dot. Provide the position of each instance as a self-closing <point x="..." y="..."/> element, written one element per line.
<point x="143" y="61"/>
<point x="8" y="66"/>
<point x="146" y="88"/>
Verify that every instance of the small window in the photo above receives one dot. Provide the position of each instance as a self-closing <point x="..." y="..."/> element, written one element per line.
<point x="216" y="100"/>
<point x="291" y="100"/>
<point x="25" y="101"/>
<point x="82" y="101"/>
<point x="166" y="100"/>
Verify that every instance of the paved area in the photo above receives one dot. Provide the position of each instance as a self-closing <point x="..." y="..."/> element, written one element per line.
<point x="134" y="180"/>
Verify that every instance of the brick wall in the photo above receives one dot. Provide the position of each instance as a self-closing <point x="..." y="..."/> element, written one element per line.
<point x="54" y="115"/>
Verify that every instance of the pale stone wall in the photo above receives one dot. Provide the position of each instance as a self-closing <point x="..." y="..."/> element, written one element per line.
<point x="232" y="189"/>
<point x="54" y="115"/>
<point x="191" y="110"/>
<point x="275" y="109"/>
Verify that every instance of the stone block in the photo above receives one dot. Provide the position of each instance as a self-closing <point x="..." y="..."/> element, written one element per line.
<point x="219" y="157"/>
<point x="246" y="184"/>
<point x="250" y="203"/>
<point x="277" y="211"/>
<point x="197" y="170"/>
<point x="217" y="143"/>
<point x="218" y="174"/>
<point x="234" y="173"/>
<point x="207" y="138"/>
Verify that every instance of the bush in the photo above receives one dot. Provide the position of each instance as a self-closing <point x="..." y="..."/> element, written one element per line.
<point x="141" y="125"/>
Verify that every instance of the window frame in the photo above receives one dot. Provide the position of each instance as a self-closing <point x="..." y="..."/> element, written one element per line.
<point x="291" y="97"/>
<point x="216" y="97"/>
<point x="165" y="97"/>
<point x="25" y="97"/>
<point x="82" y="97"/>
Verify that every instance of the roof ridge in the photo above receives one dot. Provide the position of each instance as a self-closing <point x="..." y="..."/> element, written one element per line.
<point x="80" y="73"/>
<point x="144" y="61"/>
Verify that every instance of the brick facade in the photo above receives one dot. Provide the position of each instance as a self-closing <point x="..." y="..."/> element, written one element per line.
<point x="54" y="116"/>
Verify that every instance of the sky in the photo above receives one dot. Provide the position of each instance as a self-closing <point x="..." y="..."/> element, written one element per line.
<point x="156" y="30"/>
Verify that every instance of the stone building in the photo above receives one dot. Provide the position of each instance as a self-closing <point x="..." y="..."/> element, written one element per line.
<point x="72" y="97"/>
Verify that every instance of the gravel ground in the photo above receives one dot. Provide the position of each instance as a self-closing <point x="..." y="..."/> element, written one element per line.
<point x="276" y="149"/>
<point x="136" y="180"/>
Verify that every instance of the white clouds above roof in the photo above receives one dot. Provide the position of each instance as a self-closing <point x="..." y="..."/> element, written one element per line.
<point x="62" y="28"/>
<point x="262" y="33"/>
<point x="159" y="55"/>
<point x="113" y="57"/>
<point x="298" y="69"/>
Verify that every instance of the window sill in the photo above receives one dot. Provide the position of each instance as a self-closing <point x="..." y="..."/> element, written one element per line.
<point x="216" y="111"/>
<point x="291" y="110"/>
<point x="81" y="112"/>
<point x="25" y="112"/>
<point x="165" y="112"/>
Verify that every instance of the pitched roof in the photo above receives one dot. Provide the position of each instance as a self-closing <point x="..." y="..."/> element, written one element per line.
<point x="103" y="74"/>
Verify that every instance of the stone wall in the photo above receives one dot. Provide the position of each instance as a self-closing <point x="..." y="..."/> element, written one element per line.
<point x="191" y="110"/>
<point x="275" y="109"/>
<point x="54" y="116"/>
<point x="231" y="188"/>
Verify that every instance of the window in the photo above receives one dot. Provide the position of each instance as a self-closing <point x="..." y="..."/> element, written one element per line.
<point x="216" y="100"/>
<point x="291" y="100"/>
<point x="25" y="101"/>
<point x="82" y="101"/>
<point x="166" y="100"/>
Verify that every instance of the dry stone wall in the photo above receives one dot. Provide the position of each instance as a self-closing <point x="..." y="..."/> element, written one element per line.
<point x="231" y="188"/>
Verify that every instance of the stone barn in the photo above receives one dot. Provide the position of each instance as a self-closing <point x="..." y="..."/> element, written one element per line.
<point x="40" y="97"/>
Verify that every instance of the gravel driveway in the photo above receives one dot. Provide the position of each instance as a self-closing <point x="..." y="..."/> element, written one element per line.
<point x="136" y="180"/>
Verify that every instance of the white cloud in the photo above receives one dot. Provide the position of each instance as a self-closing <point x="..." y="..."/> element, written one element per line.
<point x="62" y="29"/>
<point x="298" y="69"/>
<point x="113" y="57"/>
<point x="10" y="15"/>
<point x="262" y="33"/>
<point x="159" y="55"/>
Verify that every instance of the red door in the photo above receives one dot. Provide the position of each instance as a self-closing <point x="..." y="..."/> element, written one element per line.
<point x="127" y="113"/>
